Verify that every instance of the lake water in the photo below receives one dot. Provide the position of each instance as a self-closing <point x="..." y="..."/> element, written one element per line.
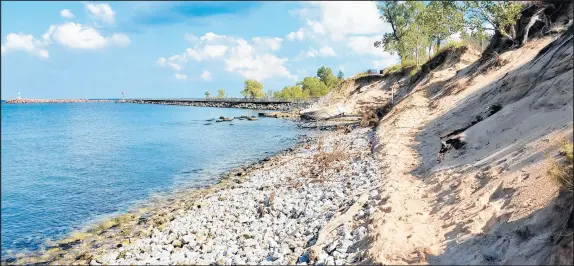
<point x="64" y="165"/>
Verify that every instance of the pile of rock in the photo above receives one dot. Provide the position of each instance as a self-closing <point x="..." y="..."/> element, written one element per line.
<point x="270" y="218"/>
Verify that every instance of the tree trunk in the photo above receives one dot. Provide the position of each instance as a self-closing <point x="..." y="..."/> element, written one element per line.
<point x="437" y="44"/>
<point x="533" y="19"/>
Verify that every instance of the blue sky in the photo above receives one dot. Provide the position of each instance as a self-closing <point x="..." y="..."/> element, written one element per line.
<point x="180" y="49"/>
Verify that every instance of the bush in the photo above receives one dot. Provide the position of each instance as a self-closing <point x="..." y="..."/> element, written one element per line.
<point x="562" y="169"/>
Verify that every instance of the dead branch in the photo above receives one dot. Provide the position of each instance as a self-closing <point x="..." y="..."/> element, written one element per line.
<point x="333" y="224"/>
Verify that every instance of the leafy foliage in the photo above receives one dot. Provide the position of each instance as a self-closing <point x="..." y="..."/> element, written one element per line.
<point x="325" y="74"/>
<point x="220" y="93"/>
<point x="498" y="15"/>
<point x="207" y="94"/>
<point x="292" y="92"/>
<point x="340" y="75"/>
<point x="253" y="89"/>
<point x="317" y="86"/>
<point x="314" y="86"/>
<point x="418" y="29"/>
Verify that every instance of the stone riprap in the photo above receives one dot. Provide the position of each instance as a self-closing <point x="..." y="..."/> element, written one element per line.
<point x="281" y="106"/>
<point x="272" y="217"/>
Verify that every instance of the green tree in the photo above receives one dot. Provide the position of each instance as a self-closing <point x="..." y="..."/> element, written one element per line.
<point x="207" y="94"/>
<point x="220" y="93"/>
<point x="416" y="38"/>
<point x="292" y="92"/>
<point x="400" y="17"/>
<point x="325" y="74"/>
<point x="442" y="19"/>
<point x="498" y="16"/>
<point x="313" y="86"/>
<point x="253" y="89"/>
<point x="340" y="75"/>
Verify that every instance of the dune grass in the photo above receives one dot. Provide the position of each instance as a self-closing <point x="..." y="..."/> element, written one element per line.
<point x="562" y="168"/>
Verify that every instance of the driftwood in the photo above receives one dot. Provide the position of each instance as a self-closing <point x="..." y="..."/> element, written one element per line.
<point x="315" y="250"/>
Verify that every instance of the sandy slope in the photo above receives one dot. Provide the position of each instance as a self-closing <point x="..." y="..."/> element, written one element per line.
<point x="484" y="203"/>
<point x="490" y="202"/>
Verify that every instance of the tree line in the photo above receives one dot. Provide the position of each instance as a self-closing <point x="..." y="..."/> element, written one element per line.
<point x="418" y="30"/>
<point x="316" y="86"/>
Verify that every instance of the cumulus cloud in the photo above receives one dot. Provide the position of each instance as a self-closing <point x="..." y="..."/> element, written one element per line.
<point x="339" y="19"/>
<point x="363" y="45"/>
<point x="77" y="36"/>
<point x="327" y="51"/>
<point x="206" y="75"/>
<point x="210" y="36"/>
<point x="180" y="76"/>
<point x="251" y="60"/>
<point x="251" y="65"/>
<point x="103" y="12"/>
<point x="66" y="13"/>
<point x="272" y="43"/>
<point x="297" y="35"/>
<point x="26" y="43"/>
<point x="72" y="35"/>
<point x="316" y="27"/>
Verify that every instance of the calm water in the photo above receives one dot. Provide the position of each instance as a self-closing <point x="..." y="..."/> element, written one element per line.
<point x="64" y="165"/>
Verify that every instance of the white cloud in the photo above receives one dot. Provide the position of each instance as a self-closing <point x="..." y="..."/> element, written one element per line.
<point x="77" y="36"/>
<point x="102" y="12"/>
<point x="316" y="26"/>
<point x="299" y="35"/>
<point x="364" y="45"/>
<point x="25" y="42"/>
<point x="238" y="56"/>
<point x="251" y="65"/>
<point x="66" y="13"/>
<point x="327" y="51"/>
<point x="214" y="51"/>
<point x="176" y="62"/>
<point x="210" y="36"/>
<point x="180" y="76"/>
<point x="340" y="19"/>
<point x="210" y="51"/>
<point x="205" y="75"/>
<point x="272" y="43"/>
<point x="311" y="53"/>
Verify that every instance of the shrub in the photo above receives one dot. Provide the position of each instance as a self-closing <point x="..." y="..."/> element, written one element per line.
<point x="562" y="169"/>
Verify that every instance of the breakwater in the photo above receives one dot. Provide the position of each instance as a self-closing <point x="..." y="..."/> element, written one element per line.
<point x="260" y="104"/>
<point x="245" y="104"/>
<point x="20" y="101"/>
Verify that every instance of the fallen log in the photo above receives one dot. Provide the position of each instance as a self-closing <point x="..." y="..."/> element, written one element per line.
<point x="333" y="224"/>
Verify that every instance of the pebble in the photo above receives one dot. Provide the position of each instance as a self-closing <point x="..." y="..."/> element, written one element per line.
<point x="227" y="229"/>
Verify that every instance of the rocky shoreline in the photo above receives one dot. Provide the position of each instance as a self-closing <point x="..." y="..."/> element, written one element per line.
<point x="271" y="212"/>
<point x="223" y="104"/>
